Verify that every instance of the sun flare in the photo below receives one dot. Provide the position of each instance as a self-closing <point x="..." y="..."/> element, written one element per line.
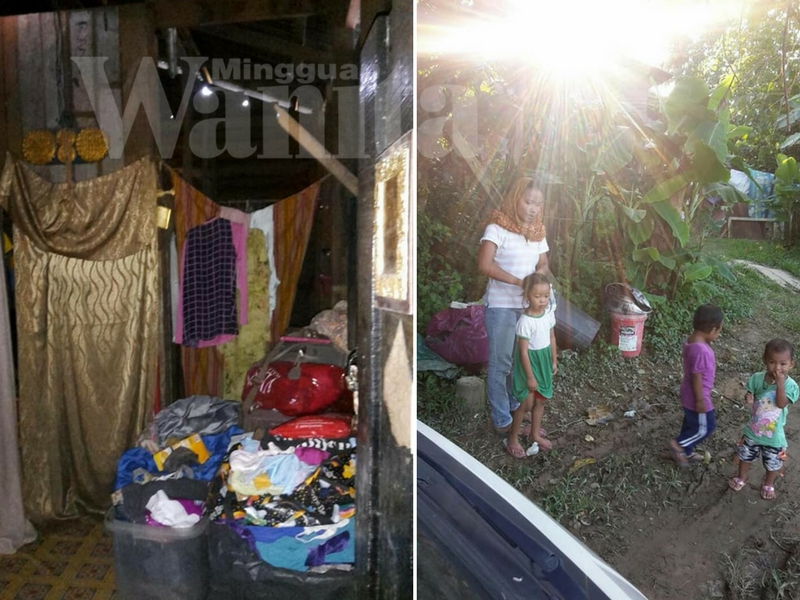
<point x="577" y="37"/>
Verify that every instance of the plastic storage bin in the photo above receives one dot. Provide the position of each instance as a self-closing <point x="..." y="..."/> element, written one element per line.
<point x="159" y="563"/>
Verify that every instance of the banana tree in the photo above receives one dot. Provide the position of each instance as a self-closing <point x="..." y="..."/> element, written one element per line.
<point x="787" y="193"/>
<point x="679" y="164"/>
<point x="602" y="161"/>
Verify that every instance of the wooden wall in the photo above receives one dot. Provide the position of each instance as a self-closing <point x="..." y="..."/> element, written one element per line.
<point x="41" y="88"/>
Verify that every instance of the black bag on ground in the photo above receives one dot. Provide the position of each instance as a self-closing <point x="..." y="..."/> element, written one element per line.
<point x="238" y="573"/>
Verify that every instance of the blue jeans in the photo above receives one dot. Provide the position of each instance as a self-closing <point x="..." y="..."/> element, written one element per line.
<point x="500" y="327"/>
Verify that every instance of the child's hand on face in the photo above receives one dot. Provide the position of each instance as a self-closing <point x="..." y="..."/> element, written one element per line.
<point x="777" y="377"/>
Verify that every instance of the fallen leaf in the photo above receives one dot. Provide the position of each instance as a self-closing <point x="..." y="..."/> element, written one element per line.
<point x="580" y="463"/>
<point x="599" y="415"/>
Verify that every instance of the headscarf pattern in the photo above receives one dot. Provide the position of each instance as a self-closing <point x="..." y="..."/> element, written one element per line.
<point x="508" y="219"/>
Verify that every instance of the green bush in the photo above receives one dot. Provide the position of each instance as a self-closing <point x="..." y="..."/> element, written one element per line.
<point x="438" y="283"/>
<point x="670" y="322"/>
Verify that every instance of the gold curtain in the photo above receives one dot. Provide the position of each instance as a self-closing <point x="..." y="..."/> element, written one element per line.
<point x="89" y="328"/>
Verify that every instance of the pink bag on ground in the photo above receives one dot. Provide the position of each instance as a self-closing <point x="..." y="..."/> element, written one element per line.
<point x="458" y="335"/>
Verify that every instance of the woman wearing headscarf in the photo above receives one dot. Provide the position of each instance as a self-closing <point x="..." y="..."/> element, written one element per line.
<point x="513" y="246"/>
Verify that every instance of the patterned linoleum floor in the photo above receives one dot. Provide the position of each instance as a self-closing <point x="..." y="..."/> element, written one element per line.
<point x="70" y="560"/>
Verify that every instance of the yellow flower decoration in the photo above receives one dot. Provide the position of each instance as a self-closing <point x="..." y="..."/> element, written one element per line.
<point x="39" y="147"/>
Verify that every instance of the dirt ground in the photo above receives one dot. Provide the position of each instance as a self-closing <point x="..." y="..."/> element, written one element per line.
<point x="675" y="533"/>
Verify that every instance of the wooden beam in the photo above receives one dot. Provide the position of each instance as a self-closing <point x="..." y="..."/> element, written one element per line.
<point x="262" y="45"/>
<point x="136" y="40"/>
<point x="317" y="150"/>
<point x="3" y="115"/>
<point x="26" y="7"/>
<point x="11" y="102"/>
<point x="370" y="9"/>
<point x="194" y="13"/>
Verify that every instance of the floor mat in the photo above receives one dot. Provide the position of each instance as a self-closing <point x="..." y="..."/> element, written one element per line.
<point x="71" y="560"/>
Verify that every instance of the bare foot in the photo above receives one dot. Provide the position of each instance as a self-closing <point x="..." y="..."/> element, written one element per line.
<point x="677" y="454"/>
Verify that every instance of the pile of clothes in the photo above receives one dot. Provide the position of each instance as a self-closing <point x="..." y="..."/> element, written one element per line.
<point x="291" y="500"/>
<point x="165" y="479"/>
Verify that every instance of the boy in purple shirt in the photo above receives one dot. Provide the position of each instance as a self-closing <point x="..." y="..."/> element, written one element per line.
<point x="699" y="368"/>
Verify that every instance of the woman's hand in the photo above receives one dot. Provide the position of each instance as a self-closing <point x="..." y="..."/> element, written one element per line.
<point x="533" y="385"/>
<point x="487" y="266"/>
<point x="555" y="367"/>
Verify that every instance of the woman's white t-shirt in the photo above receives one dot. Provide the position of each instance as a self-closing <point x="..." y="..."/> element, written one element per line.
<point x="516" y="256"/>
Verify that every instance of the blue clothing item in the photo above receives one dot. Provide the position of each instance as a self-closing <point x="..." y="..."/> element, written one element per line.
<point x="500" y="326"/>
<point x="696" y="427"/>
<point x="761" y="189"/>
<point x="217" y="446"/>
<point x="282" y="470"/>
<point x="251" y="445"/>
<point x="285" y="552"/>
<point x="291" y="552"/>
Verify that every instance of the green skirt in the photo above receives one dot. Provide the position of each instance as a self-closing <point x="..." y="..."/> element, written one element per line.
<point x="542" y="367"/>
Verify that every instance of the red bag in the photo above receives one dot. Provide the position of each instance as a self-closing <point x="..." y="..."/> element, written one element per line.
<point x="300" y="376"/>
<point x="297" y="389"/>
<point x="316" y="426"/>
<point x="458" y="335"/>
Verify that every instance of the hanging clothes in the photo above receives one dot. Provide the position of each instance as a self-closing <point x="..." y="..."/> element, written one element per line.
<point x="213" y="268"/>
<point x="202" y="367"/>
<point x="287" y="227"/>
<point x="89" y="328"/>
<point x="264" y="221"/>
<point x="251" y="343"/>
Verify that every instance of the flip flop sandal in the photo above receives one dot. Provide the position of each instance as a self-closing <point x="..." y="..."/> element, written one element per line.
<point x="736" y="484"/>
<point x="514" y="452"/>
<point x="767" y="492"/>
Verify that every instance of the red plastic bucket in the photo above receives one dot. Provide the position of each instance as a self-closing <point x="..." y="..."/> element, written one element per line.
<point x="627" y="332"/>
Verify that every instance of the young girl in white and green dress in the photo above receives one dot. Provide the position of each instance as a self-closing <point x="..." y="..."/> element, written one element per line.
<point x="535" y="362"/>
